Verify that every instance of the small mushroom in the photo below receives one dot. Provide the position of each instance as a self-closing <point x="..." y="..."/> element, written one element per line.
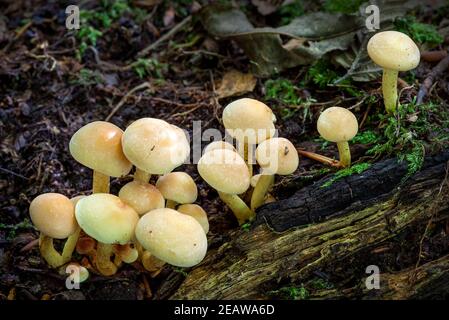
<point x="219" y="145"/>
<point x="141" y="196"/>
<point x="196" y="212"/>
<point x="250" y="122"/>
<point x="338" y="125"/>
<point x="53" y="214"/>
<point x="108" y="220"/>
<point x="275" y="156"/>
<point x="98" y="146"/>
<point x="226" y="171"/>
<point x="127" y="253"/>
<point x="173" y="237"/>
<point x="154" y="147"/>
<point x="177" y="187"/>
<point x="393" y="51"/>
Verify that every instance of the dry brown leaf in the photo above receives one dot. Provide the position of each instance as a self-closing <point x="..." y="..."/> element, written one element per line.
<point x="235" y="83"/>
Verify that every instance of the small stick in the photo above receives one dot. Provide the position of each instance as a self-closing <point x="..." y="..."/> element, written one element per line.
<point x="125" y="97"/>
<point x="437" y="71"/>
<point x="320" y="158"/>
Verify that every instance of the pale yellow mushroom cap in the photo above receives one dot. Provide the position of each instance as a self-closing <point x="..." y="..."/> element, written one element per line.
<point x="106" y="218"/>
<point x="142" y="197"/>
<point x="177" y="186"/>
<point x="173" y="237"/>
<point x="337" y="124"/>
<point x="53" y="214"/>
<point x="225" y="171"/>
<point x="155" y="146"/>
<point x="254" y="179"/>
<point x="277" y="156"/>
<point x="219" y="145"/>
<point x="249" y="120"/>
<point x="393" y="50"/>
<point x="98" y="146"/>
<point x="76" y="199"/>
<point x="195" y="211"/>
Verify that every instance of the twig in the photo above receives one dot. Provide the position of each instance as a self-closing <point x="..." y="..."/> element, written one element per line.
<point x="125" y="97"/>
<point x="165" y="37"/>
<point x="13" y="173"/>
<point x="437" y="71"/>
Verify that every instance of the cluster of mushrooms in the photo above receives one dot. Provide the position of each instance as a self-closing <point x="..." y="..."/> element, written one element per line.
<point x="159" y="224"/>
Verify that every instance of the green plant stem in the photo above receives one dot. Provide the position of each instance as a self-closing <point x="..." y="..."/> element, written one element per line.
<point x="141" y="176"/>
<point x="389" y="89"/>
<point x="344" y="153"/>
<point x="100" y="183"/>
<point x="261" y="190"/>
<point x="238" y="206"/>
<point x="48" y="251"/>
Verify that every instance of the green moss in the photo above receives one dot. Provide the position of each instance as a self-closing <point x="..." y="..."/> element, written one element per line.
<point x="420" y="32"/>
<point x="343" y="6"/>
<point x="87" y="77"/>
<point x="355" y="169"/>
<point x="12" y="229"/>
<point x="246" y="226"/>
<point x="321" y="284"/>
<point x="366" y="137"/>
<point x="282" y="90"/>
<point x="144" y="67"/>
<point x="292" y="293"/>
<point x="290" y="11"/>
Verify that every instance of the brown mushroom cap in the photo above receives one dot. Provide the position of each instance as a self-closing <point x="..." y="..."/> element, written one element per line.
<point x="219" y="145"/>
<point x="195" y="211"/>
<point x="393" y="50"/>
<point x="225" y="171"/>
<point x="173" y="237"/>
<point x="337" y="124"/>
<point x="177" y="186"/>
<point x="98" y="146"/>
<point x="142" y="197"/>
<point x="53" y="214"/>
<point x="155" y="146"/>
<point x="249" y="120"/>
<point x="277" y="156"/>
<point x="106" y="218"/>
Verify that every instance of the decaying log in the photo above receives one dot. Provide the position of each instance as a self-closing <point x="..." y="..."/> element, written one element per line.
<point x="319" y="226"/>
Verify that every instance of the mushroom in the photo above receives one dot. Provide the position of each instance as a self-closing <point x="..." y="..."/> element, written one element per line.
<point x="219" y="145"/>
<point x="393" y="51"/>
<point x="151" y="263"/>
<point x="250" y="122"/>
<point x="142" y="197"/>
<point x="154" y="147"/>
<point x="78" y="273"/>
<point x="127" y="253"/>
<point x="196" y="212"/>
<point x="173" y="237"/>
<point x="98" y="146"/>
<point x="338" y="125"/>
<point x="177" y="187"/>
<point x="275" y="156"/>
<point x="53" y="214"/>
<point x="108" y="220"/>
<point x="226" y="171"/>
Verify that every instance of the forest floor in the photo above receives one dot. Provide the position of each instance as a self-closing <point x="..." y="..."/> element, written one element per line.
<point x="54" y="80"/>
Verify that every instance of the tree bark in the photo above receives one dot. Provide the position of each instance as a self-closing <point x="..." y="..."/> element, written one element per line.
<point x="321" y="227"/>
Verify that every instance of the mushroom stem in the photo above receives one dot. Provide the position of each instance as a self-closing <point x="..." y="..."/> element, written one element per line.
<point x="151" y="263"/>
<point x="389" y="89"/>
<point x="100" y="183"/>
<point x="238" y="206"/>
<point x="248" y="156"/>
<point x="70" y="245"/>
<point x="345" y="153"/>
<point x="48" y="251"/>
<point x="142" y="176"/>
<point x="127" y="253"/>
<point x="104" y="264"/>
<point x="170" y="204"/>
<point x="261" y="190"/>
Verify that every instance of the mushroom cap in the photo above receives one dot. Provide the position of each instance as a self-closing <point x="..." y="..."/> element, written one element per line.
<point x="155" y="146"/>
<point x="75" y="200"/>
<point x="393" y="50"/>
<point x="196" y="212"/>
<point x="277" y="156"/>
<point x="177" y="186"/>
<point x="254" y="179"/>
<point x="249" y="120"/>
<point x="53" y="214"/>
<point x="98" y="146"/>
<point x="337" y="124"/>
<point x="219" y="145"/>
<point x="106" y="218"/>
<point x="225" y="171"/>
<point x="173" y="237"/>
<point x="142" y="197"/>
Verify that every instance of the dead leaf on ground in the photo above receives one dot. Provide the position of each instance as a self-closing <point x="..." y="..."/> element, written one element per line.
<point x="236" y="83"/>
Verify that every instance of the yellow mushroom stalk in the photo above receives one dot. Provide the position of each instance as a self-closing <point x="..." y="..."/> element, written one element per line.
<point x="393" y="51"/>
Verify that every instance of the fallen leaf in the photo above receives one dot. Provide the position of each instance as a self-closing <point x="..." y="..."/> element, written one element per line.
<point x="236" y="83"/>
